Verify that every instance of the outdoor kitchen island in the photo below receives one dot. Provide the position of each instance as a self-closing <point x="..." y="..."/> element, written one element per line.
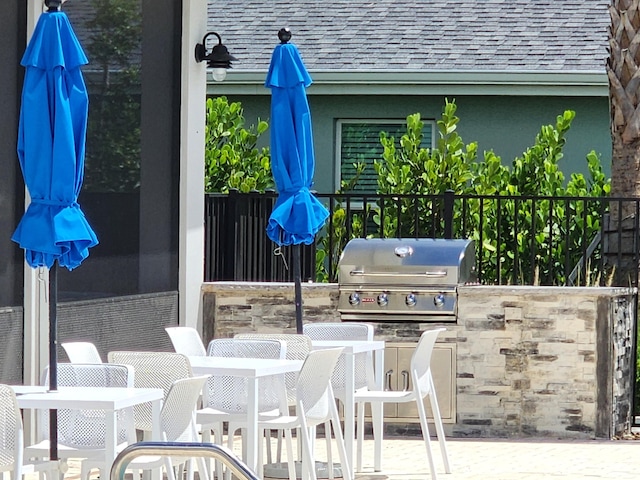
<point x="529" y="361"/>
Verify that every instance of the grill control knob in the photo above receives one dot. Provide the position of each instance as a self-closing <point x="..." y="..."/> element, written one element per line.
<point x="383" y="299"/>
<point x="354" y="299"/>
<point x="411" y="300"/>
<point x="438" y="300"/>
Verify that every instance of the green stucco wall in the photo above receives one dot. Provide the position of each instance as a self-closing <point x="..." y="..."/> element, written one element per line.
<point x="505" y="124"/>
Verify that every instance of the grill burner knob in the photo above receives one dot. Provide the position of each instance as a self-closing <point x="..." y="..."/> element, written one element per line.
<point x="383" y="299"/>
<point x="354" y="299"/>
<point x="411" y="300"/>
<point x="438" y="300"/>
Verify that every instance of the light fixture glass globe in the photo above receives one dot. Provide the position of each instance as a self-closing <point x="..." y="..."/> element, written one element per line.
<point x="219" y="74"/>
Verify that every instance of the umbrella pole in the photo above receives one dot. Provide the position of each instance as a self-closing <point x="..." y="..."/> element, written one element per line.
<point x="297" y="280"/>
<point x="53" y="357"/>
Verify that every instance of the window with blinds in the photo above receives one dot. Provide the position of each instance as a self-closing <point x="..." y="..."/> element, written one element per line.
<point x="359" y="142"/>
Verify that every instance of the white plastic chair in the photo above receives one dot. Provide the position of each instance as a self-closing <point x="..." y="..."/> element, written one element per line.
<point x="82" y="433"/>
<point x="224" y="397"/>
<point x="177" y="420"/>
<point x="152" y="370"/>
<point x="187" y="341"/>
<point x="421" y="387"/>
<point x="364" y="372"/>
<point x="298" y="347"/>
<point x="82" y="352"/>
<point x="315" y="405"/>
<point x="12" y="441"/>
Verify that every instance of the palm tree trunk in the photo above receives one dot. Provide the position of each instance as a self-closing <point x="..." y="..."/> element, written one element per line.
<point x="624" y="95"/>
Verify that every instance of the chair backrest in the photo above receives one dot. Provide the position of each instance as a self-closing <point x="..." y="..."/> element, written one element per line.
<point x="421" y="362"/>
<point x="11" y="432"/>
<point x="346" y="331"/>
<point x="187" y="341"/>
<point x="87" y="428"/>
<point x="178" y="410"/>
<point x="298" y="347"/>
<point x="229" y="394"/>
<point x="313" y="389"/>
<point x="82" y="352"/>
<point x="152" y="370"/>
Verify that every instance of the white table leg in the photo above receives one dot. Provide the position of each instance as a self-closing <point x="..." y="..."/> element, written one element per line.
<point x="110" y="440"/>
<point x="252" y="424"/>
<point x="349" y="408"/>
<point x="377" y="411"/>
<point x="156" y="433"/>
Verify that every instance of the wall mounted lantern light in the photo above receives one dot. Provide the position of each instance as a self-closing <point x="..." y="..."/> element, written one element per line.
<point x="53" y="5"/>
<point x="219" y="59"/>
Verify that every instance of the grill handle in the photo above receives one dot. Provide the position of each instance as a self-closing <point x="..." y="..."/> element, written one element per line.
<point x="428" y="274"/>
<point x="387" y="379"/>
<point x="405" y="380"/>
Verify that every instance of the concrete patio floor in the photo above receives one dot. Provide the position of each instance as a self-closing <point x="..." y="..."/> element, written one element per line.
<point x="496" y="459"/>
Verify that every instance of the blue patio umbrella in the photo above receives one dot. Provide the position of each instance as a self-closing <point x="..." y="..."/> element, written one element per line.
<point x="51" y="148"/>
<point x="297" y="214"/>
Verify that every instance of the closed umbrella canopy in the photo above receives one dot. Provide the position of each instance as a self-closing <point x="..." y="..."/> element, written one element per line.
<point x="297" y="215"/>
<point x="51" y="146"/>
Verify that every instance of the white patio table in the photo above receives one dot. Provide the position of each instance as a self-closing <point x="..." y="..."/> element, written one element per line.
<point x="252" y="369"/>
<point x="109" y="399"/>
<point x="351" y="348"/>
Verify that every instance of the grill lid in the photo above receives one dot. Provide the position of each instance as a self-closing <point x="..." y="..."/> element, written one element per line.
<point x="412" y="262"/>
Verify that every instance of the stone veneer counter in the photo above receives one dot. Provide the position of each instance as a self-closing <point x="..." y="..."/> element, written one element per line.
<point x="530" y="361"/>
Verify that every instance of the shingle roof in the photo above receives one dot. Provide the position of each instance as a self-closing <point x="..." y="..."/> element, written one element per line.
<point x="419" y="35"/>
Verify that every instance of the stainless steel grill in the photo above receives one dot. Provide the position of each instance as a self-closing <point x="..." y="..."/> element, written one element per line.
<point x="414" y="279"/>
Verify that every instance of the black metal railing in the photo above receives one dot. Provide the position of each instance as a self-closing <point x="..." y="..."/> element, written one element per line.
<point x="524" y="240"/>
<point x="237" y="247"/>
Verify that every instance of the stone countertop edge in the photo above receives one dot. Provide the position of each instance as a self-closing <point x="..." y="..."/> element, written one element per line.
<point x="222" y="286"/>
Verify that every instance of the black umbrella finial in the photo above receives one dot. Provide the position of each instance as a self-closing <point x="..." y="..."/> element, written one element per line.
<point x="284" y="34"/>
<point x="54" y="5"/>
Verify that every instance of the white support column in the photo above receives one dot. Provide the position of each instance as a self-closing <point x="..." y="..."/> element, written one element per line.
<point x="192" y="123"/>
<point x="35" y="302"/>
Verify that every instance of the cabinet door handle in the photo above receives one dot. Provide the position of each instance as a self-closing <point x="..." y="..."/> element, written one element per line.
<point x="405" y="380"/>
<point x="387" y="379"/>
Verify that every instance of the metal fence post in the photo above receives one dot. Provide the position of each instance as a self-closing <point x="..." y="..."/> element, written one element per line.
<point x="448" y="213"/>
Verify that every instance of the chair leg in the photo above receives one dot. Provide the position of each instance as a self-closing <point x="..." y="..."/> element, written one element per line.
<point x="327" y="437"/>
<point x="279" y="447"/>
<point x="437" y="419"/>
<point x="347" y="469"/>
<point x="308" y="463"/>
<point x="291" y="458"/>
<point x="359" y="436"/>
<point x="267" y="438"/>
<point x="425" y="435"/>
<point x="202" y="467"/>
<point x="378" y="434"/>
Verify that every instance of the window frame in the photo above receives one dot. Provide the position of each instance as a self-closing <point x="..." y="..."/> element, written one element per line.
<point x="340" y="122"/>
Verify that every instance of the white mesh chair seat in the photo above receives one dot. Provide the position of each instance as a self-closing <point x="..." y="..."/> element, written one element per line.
<point x="224" y="397"/>
<point x="82" y="352"/>
<point x="298" y="347"/>
<point x="12" y="441"/>
<point x="229" y="394"/>
<point x="82" y="433"/>
<point x="315" y="405"/>
<point x="364" y="376"/>
<point x="177" y="421"/>
<point x="152" y="370"/>
<point x="187" y="341"/>
<point x="421" y="387"/>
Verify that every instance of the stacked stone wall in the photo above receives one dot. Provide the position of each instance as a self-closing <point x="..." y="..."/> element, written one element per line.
<point x="531" y="361"/>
